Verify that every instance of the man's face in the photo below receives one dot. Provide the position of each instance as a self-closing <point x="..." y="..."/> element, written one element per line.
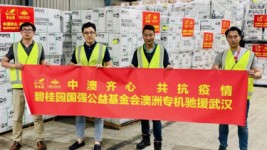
<point x="89" y="35"/>
<point x="27" y="33"/>
<point x="233" y="39"/>
<point x="148" y="37"/>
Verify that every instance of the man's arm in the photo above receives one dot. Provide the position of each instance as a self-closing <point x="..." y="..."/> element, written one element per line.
<point x="43" y="61"/>
<point x="215" y="66"/>
<point x="134" y="63"/>
<point x="217" y="62"/>
<point x="166" y="62"/>
<point x="5" y="63"/>
<point x="107" y="59"/>
<point x="108" y="64"/>
<point x="255" y="73"/>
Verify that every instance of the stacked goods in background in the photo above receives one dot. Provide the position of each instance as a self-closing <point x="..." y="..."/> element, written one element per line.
<point x="255" y="34"/>
<point x="118" y="28"/>
<point x="49" y="34"/>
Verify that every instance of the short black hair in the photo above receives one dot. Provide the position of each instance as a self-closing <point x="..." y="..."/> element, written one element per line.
<point x="149" y="27"/>
<point x="87" y="25"/>
<point x="233" y="28"/>
<point x="26" y="24"/>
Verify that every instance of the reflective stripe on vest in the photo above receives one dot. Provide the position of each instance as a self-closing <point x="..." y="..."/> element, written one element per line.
<point x="97" y="55"/>
<point x="20" y="56"/>
<point x="244" y="63"/>
<point x="156" y="61"/>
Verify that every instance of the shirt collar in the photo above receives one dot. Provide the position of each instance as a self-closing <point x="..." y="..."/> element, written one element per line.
<point x="152" y="48"/>
<point x="29" y="45"/>
<point x="91" y="46"/>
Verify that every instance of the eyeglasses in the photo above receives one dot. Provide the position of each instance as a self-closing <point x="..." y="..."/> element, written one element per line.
<point x="26" y="30"/>
<point x="148" y="35"/>
<point x="88" y="33"/>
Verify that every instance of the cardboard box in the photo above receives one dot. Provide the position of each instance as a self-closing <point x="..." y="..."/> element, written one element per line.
<point x="77" y="40"/>
<point x="54" y="44"/>
<point x="54" y="59"/>
<point x="4" y="120"/>
<point x="102" y="38"/>
<point x="54" y="21"/>
<point x="4" y="76"/>
<point x="67" y="43"/>
<point x="119" y="49"/>
<point x="181" y="60"/>
<point x="41" y="19"/>
<point x="65" y="21"/>
<point x="7" y="40"/>
<point x="41" y="38"/>
<point x="127" y="21"/>
<point x="101" y="19"/>
<point x="5" y="100"/>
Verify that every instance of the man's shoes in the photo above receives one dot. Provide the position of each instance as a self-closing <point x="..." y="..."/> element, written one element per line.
<point x="157" y="145"/>
<point x="16" y="146"/>
<point x="41" y="145"/>
<point x="97" y="147"/>
<point x="76" y="145"/>
<point x="144" y="143"/>
<point x="222" y="148"/>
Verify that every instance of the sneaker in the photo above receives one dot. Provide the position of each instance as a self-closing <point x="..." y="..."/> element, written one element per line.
<point x="97" y="147"/>
<point x="76" y="145"/>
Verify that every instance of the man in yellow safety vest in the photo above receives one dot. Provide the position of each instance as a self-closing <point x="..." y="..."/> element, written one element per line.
<point x="23" y="52"/>
<point x="91" y="53"/>
<point x="237" y="58"/>
<point x="150" y="55"/>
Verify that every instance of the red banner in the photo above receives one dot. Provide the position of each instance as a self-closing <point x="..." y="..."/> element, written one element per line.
<point x="207" y="96"/>
<point x="13" y="16"/>
<point x="207" y="40"/>
<point x="188" y="27"/>
<point x="152" y="18"/>
<point x="260" y="50"/>
<point x="225" y="25"/>
<point x="260" y="21"/>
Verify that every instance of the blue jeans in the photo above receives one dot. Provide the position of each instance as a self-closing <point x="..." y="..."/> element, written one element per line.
<point x="80" y="127"/>
<point x="242" y="133"/>
<point x="156" y="129"/>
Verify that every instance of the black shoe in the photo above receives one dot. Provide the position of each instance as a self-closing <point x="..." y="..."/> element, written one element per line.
<point x="76" y="145"/>
<point x="144" y="143"/>
<point x="157" y="145"/>
<point x="222" y="148"/>
<point x="97" y="147"/>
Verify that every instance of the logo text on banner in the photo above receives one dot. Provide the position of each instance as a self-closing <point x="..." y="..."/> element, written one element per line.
<point x="13" y="16"/>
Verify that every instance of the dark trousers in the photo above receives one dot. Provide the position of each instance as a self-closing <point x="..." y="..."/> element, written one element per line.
<point x="242" y="133"/>
<point x="156" y="129"/>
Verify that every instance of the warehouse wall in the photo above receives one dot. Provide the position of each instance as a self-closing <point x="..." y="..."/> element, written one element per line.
<point x="11" y="2"/>
<point x="69" y="4"/>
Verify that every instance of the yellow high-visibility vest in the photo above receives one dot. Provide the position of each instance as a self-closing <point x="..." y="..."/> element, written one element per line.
<point x="244" y="63"/>
<point x="156" y="61"/>
<point x="20" y="56"/>
<point x="97" y="55"/>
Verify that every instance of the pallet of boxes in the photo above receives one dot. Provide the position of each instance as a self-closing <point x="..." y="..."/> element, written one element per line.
<point x="48" y="33"/>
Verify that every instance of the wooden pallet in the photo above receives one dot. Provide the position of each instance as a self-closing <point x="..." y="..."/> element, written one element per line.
<point x="113" y="125"/>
